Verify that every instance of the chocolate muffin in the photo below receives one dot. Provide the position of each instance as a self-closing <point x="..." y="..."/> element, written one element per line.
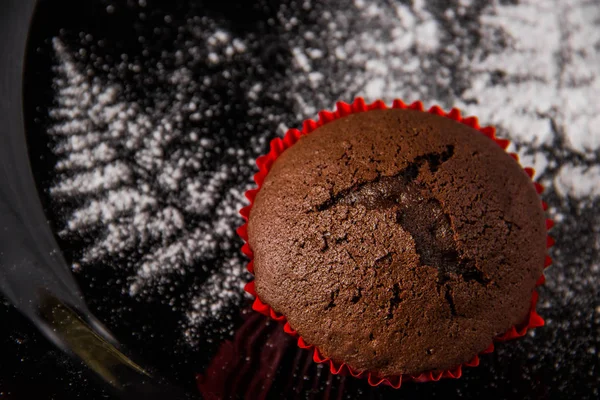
<point x="397" y="241"/>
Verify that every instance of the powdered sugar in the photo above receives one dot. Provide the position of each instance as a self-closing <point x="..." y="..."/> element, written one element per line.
<point x="99" y="178"/>
<point x="382" y="45"/>
<point x="128" y="201"/>
<point x="578" y="181"/>
<point x="547" y="77"/>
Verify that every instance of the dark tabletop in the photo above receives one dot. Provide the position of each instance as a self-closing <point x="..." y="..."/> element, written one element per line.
<point x="207" y="85"/>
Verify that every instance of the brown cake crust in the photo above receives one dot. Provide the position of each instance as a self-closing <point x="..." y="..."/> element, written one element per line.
<point x="397" y="241"/>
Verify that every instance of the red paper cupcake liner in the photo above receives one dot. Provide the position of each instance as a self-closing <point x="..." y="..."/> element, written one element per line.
<point x="279" y="145"/>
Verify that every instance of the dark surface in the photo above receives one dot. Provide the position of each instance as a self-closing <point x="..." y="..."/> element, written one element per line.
<point x="561" y="361"/>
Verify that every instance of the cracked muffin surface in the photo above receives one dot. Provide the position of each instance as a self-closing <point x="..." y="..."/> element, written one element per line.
<point x="397" y="241"/>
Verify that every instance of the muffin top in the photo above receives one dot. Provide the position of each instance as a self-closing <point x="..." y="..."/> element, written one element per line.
<point x="397" y="241"/>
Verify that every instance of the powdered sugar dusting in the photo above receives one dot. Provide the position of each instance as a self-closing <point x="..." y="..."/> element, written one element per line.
<point x="546" y="76"/>
<point x="146" y="200"/>
<point x="383" y="45"/>
<point x="578" y="181"/>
